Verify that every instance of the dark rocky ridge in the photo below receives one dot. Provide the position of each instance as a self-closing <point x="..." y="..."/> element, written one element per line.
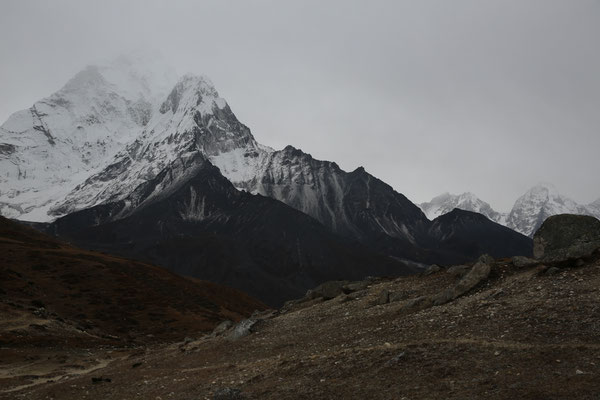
<point x="192" y="220"/>
<point x="459" y="233"/>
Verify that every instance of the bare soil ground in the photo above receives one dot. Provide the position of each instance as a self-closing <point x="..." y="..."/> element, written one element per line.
<point x="521" y="334"/>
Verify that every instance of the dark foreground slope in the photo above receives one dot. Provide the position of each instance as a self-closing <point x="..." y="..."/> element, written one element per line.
<point x="52" y="293"/>
<point x="521" y="333"/>
<point x="192" y="220"/>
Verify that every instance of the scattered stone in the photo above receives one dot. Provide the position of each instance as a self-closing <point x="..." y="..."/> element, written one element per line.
<point x="418" y="302"/>
<point x="228" y="394"/>
<point x="520" y="261"/>
<point x="100" y="380"/>
<point x="396" y="296"/>
<point x="355" y="286"/>
<point x="566" y="236"/>
<point x="38" y="303"/>
<point x="496" y="293"/>
<point x="432" y="269"/>
<point x="458" y="270"/>
<point x="579" y="372"/>
<point x="396" y="359"/>
<point x="327" y="290"/>
<point x="222" y="327"/>
<point x="345" y="299"/>
<point x="552" y="271"/>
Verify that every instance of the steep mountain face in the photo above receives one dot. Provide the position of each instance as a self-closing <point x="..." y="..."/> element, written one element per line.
<point x="447" y="202"/>
<point x="48" y="149"/>
<point x="461" y="233"/>
<point x="192" y="119"/>
<point x="192" y="220"/>
<point x="354" y="204"/>
<point x="539" y="203"/>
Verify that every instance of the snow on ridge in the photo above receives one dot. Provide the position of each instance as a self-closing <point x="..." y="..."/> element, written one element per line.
<point x="64" y="138"/>
<point x="468" y="201"/>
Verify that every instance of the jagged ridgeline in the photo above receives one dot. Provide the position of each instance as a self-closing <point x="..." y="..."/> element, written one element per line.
<point x="527" y="214"/>
<point x="128" y="159"/>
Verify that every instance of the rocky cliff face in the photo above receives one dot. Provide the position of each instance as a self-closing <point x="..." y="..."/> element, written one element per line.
<point x="353" y="204"/>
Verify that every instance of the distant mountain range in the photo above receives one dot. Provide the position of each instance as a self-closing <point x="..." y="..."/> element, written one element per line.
<point x="527" y="214"/>
<point x="119" y="163"/>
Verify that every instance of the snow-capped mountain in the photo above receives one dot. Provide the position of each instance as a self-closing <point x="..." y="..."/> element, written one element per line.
<point x="48" y="149"/>
<point x="447" y="202"/>
<point x="539" y="203"/>
<point x="193" y="118"/>
<point x="594" y="208"/>
<point x="143" y="157"/>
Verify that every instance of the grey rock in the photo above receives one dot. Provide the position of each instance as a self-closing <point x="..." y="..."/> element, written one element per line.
<point x="486" y="259"/>
<point x="458" y="270"/>
<point x="476" y="275"/>
<point x="383" y="297"/>
<point x="552" y="271"/>
<point x="228" y="394"/>
<point x="243" y="328"/>
<point x="566" y="236"/>
<point x="432" y="269"/>
<point x="520" y="261"/>
<point x="396" y="359"/>
<point x="355" y="286"/>
<point x="418" y="302"/>
<point x="397" y="296"/>
<point x="327" y="290"/>
<point x="222" y="327"/>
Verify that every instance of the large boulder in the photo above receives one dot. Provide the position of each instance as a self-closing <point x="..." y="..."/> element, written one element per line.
<point x="566" y="236"/>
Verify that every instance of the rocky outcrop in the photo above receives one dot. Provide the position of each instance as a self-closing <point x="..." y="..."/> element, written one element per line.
<point x="479" y="272"/>
<point x="566" y="236"/>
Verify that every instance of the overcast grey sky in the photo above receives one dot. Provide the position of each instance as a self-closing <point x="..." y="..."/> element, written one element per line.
<point x="430" y="96"/>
